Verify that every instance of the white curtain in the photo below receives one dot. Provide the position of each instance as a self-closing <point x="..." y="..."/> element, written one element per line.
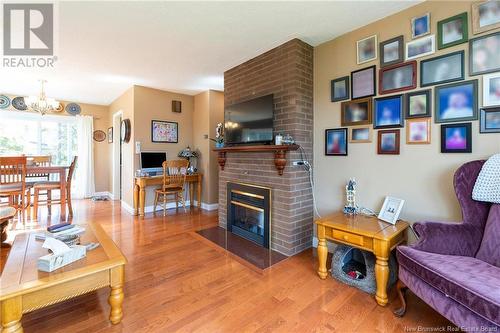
<point x="84" y="173"/>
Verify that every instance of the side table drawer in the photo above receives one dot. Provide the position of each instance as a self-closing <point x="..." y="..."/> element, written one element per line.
<point x="347" y="237"/>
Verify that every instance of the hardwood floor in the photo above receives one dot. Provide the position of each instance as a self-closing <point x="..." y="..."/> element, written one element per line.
<point x="177" y="281"/>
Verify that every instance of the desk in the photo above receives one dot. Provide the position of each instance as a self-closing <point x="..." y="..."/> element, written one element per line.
<point x="140" y="184"/>
<point x="366" y="233"/>
<point x="23" y="288"/>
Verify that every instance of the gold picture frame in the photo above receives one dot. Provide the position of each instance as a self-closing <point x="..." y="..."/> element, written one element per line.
<point x="356" y="130"/>
<point x="409" y="128"/>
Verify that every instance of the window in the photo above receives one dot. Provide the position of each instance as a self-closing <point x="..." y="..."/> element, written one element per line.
<point x="33" y="134"/>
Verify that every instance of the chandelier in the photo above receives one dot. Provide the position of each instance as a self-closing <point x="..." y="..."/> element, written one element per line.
<point x="41" y="103"/>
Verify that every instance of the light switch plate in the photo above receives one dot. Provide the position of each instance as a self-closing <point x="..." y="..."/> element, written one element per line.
<point x="137" y="147"/>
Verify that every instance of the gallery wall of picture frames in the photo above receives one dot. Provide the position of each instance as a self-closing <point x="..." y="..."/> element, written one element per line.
<point x="451" y="98"/>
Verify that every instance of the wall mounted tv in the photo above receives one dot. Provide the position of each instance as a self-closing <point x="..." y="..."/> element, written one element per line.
<point x="249" y="122"/>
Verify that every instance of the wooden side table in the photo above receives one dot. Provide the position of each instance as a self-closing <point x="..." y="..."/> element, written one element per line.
<point x="366" y="233"/>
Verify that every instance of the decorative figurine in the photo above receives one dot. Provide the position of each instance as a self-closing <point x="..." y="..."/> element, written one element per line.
<point x="192" y="157"/>
<point x="350" y="192"/>
<point x="219" y="136"/>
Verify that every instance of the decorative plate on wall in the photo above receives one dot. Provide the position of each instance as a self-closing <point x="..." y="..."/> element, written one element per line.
<point x="4" y="102"/>
<point x="60" y="108"/>
<point x="125" y="130"/>
<point x="73" y="109"/>
<point x="99" y="136"/>
<point x="19" y="104"/>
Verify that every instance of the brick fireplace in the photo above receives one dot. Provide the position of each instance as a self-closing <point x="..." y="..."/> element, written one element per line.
<point x="286" y="72"/>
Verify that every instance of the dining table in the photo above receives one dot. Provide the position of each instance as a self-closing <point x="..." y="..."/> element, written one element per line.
<point x="61" y="170"/>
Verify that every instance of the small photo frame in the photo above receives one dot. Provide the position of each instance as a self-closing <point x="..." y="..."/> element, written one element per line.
<point x="420" y="47"/>
<point x="356" y="112"/>
<point x="489" y="120"/>
<point x="360" y="134"/>
<point x="340" y="89"/>
<point x="164" y="131"/>
<point x="388" y="142"/>
<point x="420" y="25"/>
<point x="397" y="78"/>
<point x="177" y="106"/>
<point x="485" y="16"/>
<point x="388" y="112"/>
<point x="418" y="131"/>
<point x="453" y="31"/>
<point x="392" y="51"/>
<point x="366" y="49"/>
<point x="456" y="138"/>
<point x="336" y="142"/>
<point x="418" y="104"/>
<point x="456" y="102"/>
<point x="110" y="135"/>
<point x="363" y="82"/>
<point x="491" y="89"/>
<point x="483" y="54"/>
<point x="443" y="69"/>
<point x="391" y="209"/>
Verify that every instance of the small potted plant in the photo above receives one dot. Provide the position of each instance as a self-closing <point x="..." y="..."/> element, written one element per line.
<point x="219" y="136"/>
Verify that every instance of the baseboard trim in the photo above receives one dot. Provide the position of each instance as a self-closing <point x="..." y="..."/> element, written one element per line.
<point x="330" y="245"/>
<point x="170" y="205"/>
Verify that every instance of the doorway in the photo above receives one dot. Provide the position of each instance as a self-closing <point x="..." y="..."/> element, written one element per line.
<point x="117" y="156"/>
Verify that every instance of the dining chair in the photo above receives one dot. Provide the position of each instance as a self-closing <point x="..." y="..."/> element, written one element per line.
<point x="6" y="214"/>
<point x="13" y="182"/>
<point x="43" y="160"/>
<point x="174" y="177"/>
<point x="49" y="186"/>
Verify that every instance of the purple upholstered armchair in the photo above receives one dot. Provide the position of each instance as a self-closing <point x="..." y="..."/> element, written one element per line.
<point x="455" y="267"/>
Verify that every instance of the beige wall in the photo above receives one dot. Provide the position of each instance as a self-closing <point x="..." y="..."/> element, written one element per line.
<point x="216" y="116"/>
<point x="420" y="174"/>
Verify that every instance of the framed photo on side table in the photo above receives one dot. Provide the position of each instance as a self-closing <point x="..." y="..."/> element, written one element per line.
<point x="391" y="209"/>
<point x="340" y="89"/>
<point x="418" y="104"/>
<point x="456" y="102"/>
<point x="363" y="83"/>
<point x="336" y="142"/>
<point x="443" y="69"/>
<point x="489" y="120"/>
<point x="164" y="131"/>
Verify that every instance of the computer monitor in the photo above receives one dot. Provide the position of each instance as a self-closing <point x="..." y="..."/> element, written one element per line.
<point x="152" y="161"/>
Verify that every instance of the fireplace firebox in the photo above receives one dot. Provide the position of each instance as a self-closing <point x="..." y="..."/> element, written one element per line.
<point x="249" y="212"/>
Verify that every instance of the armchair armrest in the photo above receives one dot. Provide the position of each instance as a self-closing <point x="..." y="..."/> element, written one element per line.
<point x="448" y="238"/>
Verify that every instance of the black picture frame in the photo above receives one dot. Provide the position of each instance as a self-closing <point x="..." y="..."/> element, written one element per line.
<point x="374" y="82"/>
<point x="346" y="96"/>
<point x="437" y="104"/>
<point x="424" y="68"/>
<point x="468" y="138"/>
<point x="401" y="52"/>
<point x="483" y="126"/>
<point x="164" y="122"/>
<point x="472" y="53"/>
<point x="345" y="134"/>
<point x="428" y="104"/>
<point x="110" y="134"/>
<point x="376" y="104"/>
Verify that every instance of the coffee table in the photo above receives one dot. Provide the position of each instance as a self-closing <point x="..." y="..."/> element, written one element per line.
<point x="23" y="288"/>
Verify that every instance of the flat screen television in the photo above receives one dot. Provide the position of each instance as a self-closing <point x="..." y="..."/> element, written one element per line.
<point x="249" y="122"/>
<point x="152" y="161"/>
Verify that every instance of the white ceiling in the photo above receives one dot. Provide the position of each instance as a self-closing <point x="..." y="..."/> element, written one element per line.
<point x="106" y="47"/>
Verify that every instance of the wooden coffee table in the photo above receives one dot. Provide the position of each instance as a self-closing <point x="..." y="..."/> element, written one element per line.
<point x="366" y="233"/>
<point x="23" y="288"/>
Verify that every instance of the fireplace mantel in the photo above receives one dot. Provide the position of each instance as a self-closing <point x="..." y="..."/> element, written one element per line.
<point x="279" y="153"/>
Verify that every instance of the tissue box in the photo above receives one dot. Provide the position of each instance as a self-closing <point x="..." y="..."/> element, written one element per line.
<point x="51" y="262"/>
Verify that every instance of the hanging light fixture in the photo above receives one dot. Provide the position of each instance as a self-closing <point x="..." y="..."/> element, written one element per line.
<point x="41" y="103"/>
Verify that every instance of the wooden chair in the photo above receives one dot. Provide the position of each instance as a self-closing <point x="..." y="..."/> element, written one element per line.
<point x="13" y="182"/>
<point x="54" y="185"/>
<point x="6" y="214"/>
<point x="45" y="160"/>
<point x="174" y="177"/>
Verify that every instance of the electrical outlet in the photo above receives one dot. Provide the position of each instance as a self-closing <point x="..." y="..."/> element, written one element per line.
<point x="298" y="163"/>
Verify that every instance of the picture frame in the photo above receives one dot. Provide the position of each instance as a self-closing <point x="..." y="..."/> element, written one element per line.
<point x="360" y="134"/>
<point x="388" y="112"/>
<point x="366" y="49"/>
<point x="456" y="102"/>
<point x="491" y="89"/>
<point x="391" y="209"/>
<point x="164" y="131"/>
<point x="388" y="142"/>
<point x="483" y="54"/>
<point x="356" y="112"/>
<point x="456" y="138"/>
<point x="363" y="82"/>
<point x="442" y="69"/>
<point x="418" y="104"/>
<point x="489" y="120"/>
<point x="336" y="142"/>
<point x="398" y="77"/>
<point x="421" y="47"/>
<point x="421" y="25"/>
<point x="418" y="131"/>
<point x="392" y="51"/>
<point x="110" y="134"/>
<point x="480" y="12"/>
<point x="340" y="89"/>
<point x="453" y="31"/>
